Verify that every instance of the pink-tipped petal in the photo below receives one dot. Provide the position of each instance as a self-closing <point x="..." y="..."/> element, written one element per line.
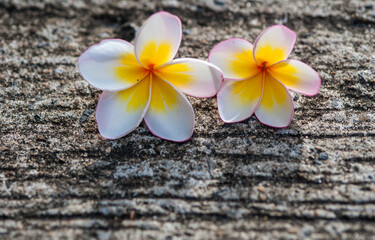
<point x="119" y="113"/>
<point x="296" y="76"/>
<point x="110" y="65"/>
<point x="170" y="115"/>
<point x="237" y="100"/>
<point x="276" y="107"/>
<point x="194" y="77"/>
<point x="273" y="45"/>
<point x="158" y="40"/>
<point x="235" y="58"/>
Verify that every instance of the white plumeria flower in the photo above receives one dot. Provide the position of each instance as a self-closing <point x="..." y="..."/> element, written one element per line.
<point x="144" y="82"/>
<point x="257" y="79"/>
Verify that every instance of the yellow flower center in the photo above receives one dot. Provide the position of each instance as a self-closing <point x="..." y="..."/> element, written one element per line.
<point x="150" y="70"/>
<point x="268" y="55"/>
<point x="155" y="54"/>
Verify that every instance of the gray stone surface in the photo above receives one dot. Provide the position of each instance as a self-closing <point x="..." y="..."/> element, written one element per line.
<point x="60" y="180"/>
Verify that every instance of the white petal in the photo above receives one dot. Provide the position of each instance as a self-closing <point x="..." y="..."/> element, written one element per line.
<point x="237" y="100"/>
<point x="170" y="115"/>
<point x="273" y="45"/>
<point x="296" y="76"/>
<point x="111" y="65"/>
<point x="235" y="58"/>
<point x="158" y="39"/>
<point x="194" y="77"/>
<point x="276" y="107"/>
<point x="119" y="113"/>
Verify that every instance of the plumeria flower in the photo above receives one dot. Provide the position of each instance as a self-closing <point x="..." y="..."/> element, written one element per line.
<point x="257" y="79"/>
<point x="144" y="82"/>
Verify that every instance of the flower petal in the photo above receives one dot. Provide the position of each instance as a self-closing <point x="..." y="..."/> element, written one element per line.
<point x="235" y="58"/>
<point x="276" y="106"/>
<point x="194" y="77"/>
<point x="237" y="100"/>
<point x="296" y="76"/>
<point x="119" y="113"/>
<point x="273" y="45"/>
<point x="111" y="65"/>
<point x="170" y="115"/>
<point x="158" y="39"/>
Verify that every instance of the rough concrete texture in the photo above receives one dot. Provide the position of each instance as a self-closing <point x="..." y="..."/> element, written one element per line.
<point x="60" y="180"/>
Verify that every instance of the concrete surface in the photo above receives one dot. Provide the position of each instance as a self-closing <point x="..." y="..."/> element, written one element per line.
<point x="60" y="180"/>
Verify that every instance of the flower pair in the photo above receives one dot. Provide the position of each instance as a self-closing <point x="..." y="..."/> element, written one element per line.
<point x="144" y="82"/>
